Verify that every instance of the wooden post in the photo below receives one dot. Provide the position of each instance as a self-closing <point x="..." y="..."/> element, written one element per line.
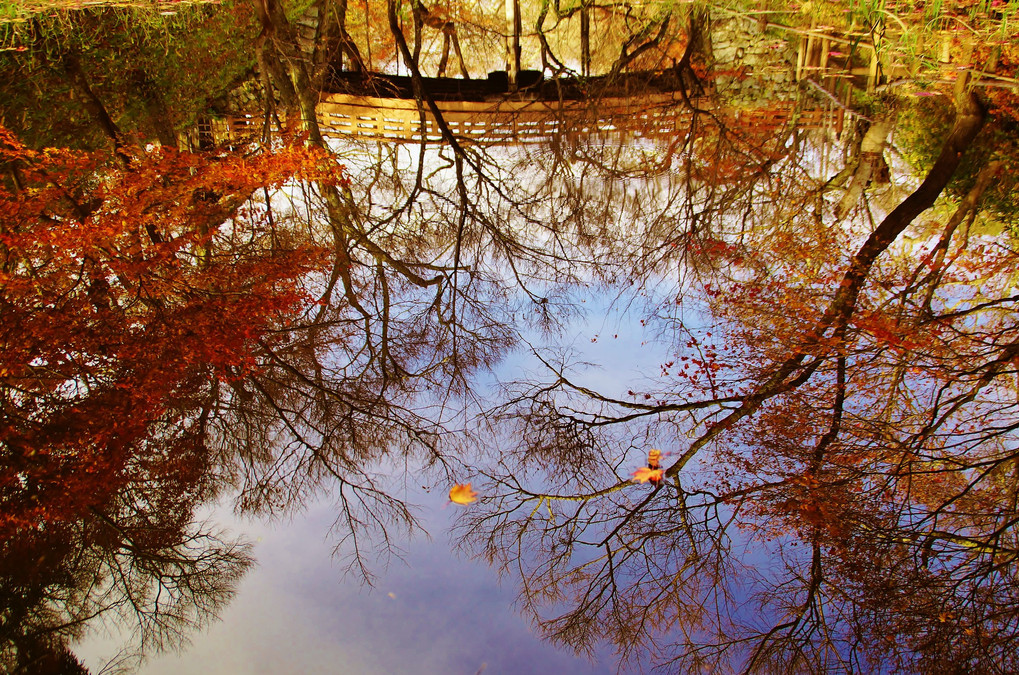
<point x="585" y="41"/>
<point x="809" y="63"/>
<point x="966" y="62"/>
<point x="874" y="71"/>
<point x="877" y="69"/>
<point x="801" y="53"/>
<point x="823" y="66"/>
<point x="513" y="30"/>
<point x="946" y="48"/>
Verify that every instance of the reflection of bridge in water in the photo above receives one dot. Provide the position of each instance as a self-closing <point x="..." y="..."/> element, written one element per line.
<point x="517" y="106"/>
<point x="537" y="121"/>
<point x="647" y="105"/>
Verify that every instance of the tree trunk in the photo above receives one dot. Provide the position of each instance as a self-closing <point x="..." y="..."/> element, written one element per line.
<point x="870" y="168"/>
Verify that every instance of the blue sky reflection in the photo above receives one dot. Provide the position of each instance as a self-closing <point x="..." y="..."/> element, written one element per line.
<point x="434" y="611"/>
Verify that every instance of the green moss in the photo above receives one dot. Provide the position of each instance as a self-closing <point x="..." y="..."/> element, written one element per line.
<point x="922" y="125"/>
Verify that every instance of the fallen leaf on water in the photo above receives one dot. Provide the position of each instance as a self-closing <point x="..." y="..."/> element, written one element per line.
<point x="644" y="474"/>
<point x="462" y="494"/>
<point x="654" y="459"/>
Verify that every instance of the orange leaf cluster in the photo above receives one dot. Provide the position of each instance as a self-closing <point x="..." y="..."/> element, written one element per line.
<point x="462" y="494"/>
<point x="644" y="475"/>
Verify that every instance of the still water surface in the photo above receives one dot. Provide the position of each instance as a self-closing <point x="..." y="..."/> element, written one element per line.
<point x="714" y="307"/>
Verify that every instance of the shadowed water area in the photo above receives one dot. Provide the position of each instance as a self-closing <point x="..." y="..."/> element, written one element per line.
<point x="509" y="337"/>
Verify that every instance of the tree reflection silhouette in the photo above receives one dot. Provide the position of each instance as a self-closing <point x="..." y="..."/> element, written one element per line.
<point x="838" y="488"/>
<point x="837" y="497"/>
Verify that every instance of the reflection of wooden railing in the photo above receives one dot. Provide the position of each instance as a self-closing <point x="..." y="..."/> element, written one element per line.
<point x="513" y="122"/>
<point x="865" y="60"/>
<point x="226" y="129"/>
<point x="826" y="57"/>
<point x="505" y="122"/>
<point x="783" y="115"/>
<point x="495" y="122"/>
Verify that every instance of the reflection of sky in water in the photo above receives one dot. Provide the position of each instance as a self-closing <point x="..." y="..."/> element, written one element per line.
<point x="434" y="612"/>
<point x="296" y="613"/>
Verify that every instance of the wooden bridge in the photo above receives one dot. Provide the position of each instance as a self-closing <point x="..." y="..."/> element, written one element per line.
<point x="517" y="106"/>
<point x="482" y="112"/>
<point x="399" y="121"/>
<point x="494" y="123"/>
<point x="537" y="121"/>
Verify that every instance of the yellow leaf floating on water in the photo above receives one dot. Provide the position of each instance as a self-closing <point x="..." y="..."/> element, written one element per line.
<point x="462" y="494"/>
<point x="644" y="474"/>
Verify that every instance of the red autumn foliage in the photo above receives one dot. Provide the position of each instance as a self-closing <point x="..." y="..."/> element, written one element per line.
<point x="122" y="302"/>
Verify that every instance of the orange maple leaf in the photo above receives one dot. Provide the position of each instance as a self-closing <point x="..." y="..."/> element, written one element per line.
<point x="644" y="474"/>
<point x="462" y="494"/>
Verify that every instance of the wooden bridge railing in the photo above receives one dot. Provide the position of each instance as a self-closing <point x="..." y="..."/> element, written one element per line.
<point x="496" y="122"/>
<point x="513" y="122"/>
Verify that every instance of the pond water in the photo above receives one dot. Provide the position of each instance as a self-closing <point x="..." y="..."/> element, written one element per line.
<point x="338" y="338"/>
<point x="431" y="609"/>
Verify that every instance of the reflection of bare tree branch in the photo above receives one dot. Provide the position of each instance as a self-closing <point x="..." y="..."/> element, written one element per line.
<point x="139" y="561"/>
<point x="596" y="552"/>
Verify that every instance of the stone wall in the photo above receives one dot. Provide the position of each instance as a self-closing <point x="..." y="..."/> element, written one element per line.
<point x="752" y="63"/>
